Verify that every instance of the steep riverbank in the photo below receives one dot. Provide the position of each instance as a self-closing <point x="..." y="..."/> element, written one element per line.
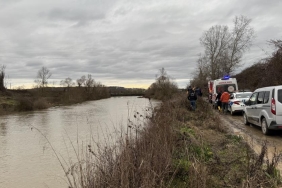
<point x="178" y="148"/>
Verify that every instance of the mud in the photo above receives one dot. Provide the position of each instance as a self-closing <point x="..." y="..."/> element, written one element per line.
<point x="253" y="135"/>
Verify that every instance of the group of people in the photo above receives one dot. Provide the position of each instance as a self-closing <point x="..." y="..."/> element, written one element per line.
<point x="193" y="94"/>
<point x="222" y="98"/>
<point x="222" y="101"/>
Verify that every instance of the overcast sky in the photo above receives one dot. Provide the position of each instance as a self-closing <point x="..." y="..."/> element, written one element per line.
<point x="122" y="42"/>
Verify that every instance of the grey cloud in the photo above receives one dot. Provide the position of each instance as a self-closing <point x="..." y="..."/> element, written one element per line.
<point x="74" y="15"/>
<point x="122" y="40"/>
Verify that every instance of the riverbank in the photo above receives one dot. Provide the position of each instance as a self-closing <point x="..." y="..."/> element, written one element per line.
<point x="36" y="99"/>
<point x="177" y="148"/>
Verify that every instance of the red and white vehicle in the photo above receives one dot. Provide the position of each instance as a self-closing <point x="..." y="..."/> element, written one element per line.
<point x="224" y="84"/>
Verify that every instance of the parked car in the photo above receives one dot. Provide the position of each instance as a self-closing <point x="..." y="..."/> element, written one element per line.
<point x="236" y="103"/>
<point x="264" y="108"/>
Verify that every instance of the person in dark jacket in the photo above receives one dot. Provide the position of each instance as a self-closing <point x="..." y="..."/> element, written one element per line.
<point x="192" y="97"/>
<point x="189" y="89"/>
<point x="198" y="91"/>
<point x="218" y="100"/>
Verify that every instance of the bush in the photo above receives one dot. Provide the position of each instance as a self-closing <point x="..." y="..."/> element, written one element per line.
<point x="25" y="104"/>
<point x="40" y="104"/>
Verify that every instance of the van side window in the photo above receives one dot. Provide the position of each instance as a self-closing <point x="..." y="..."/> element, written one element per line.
<point x="260" y="97"/>
<point x="279" y="97"/>
<point x="266" y="97"/>
<point x="253" y="99"/>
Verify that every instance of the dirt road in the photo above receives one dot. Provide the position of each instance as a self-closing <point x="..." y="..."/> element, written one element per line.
<point x="254" y="136"/>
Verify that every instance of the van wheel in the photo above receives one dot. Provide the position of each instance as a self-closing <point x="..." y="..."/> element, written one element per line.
<point x="246" y="119"/>
<point x="264" y="127"/>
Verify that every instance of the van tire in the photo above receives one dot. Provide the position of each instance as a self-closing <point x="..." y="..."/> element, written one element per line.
<point x="264" y="127"/>
<point x="246" y="119"/>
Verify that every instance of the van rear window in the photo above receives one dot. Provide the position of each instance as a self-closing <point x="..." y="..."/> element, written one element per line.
<point x="279" y="97"/>
<point x="226" y="87"/>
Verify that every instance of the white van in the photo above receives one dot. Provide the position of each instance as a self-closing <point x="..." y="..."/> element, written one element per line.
<point x="264" y="108"/>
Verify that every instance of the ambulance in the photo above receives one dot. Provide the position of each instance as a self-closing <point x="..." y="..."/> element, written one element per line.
<point x="223" y="84"/>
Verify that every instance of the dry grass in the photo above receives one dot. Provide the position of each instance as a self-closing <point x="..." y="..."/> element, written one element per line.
<point x="178" y="148"/>
<point x="36" y="99"/>
<point x="40" y="103"/>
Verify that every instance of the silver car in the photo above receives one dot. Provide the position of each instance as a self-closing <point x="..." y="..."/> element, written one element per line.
<point x="236" y="102"/>
<point x="264" y="108"/>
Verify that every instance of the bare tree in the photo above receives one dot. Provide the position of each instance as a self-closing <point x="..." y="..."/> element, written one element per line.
<point x="224" y="49"/>
<point x="42" y="77"/>
<point x="241" y="40"/>
<point x="277" y="44"/>
<point x="163" y="87"/>
<point x="215" y="42"/>
<point x="2" y="78"/>
<point x="81" y="81"/>
<point x="201" y="74"/>
<point x="89" y="82"/>
<point x="67" y="82"/>
<point x="162" y="77"/>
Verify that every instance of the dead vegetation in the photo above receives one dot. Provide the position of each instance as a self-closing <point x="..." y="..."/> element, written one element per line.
<point x="178" y="148"/>
<point x="42" y="98"/>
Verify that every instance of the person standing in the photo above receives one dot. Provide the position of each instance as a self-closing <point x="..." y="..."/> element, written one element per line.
<point x="198" y="91"/>
<point x="189" y="90"/>
<point x="224" y="100"/>
<point x="192" y="97"/>
<point x="218" y="100"/>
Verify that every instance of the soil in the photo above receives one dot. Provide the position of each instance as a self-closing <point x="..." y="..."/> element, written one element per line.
<point x="253" y="135"/>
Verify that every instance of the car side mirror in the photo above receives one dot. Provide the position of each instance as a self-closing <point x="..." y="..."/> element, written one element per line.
<point x="232" y="97"/>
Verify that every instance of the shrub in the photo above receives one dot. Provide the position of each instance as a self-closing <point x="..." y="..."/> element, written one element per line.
<point x="40" y="103"/>
<point x="25" y="104"/>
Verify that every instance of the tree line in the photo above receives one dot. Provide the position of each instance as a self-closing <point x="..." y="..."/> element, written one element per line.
<point x="43" y="76"/>
<point x="266" y="72"/>
<point x="85" y="81"/>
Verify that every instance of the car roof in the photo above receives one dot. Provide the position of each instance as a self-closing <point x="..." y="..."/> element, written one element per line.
<point x="269" y="88"/>
<point x="248" y="92"/>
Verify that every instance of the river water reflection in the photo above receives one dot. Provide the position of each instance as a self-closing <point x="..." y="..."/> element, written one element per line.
<point x="26" y="158"/>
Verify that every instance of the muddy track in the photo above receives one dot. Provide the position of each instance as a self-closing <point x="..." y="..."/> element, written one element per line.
<point x="253" y="135"/>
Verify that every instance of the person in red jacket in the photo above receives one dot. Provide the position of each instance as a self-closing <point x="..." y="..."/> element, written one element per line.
<point x="224" y="101"/>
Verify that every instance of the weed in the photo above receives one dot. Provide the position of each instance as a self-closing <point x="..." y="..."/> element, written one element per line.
<point x="40" y="104"/>
<point x="187" y="131"/>
<point x="170" y="152"/>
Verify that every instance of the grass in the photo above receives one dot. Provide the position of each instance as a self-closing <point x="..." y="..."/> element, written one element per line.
<point x="177" y="148"/>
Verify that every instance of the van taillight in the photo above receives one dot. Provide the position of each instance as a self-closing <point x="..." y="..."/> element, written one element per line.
<point x="273" y="107"/>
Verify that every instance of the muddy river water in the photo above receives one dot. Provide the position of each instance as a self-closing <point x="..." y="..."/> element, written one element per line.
<point x="27" y="160"/>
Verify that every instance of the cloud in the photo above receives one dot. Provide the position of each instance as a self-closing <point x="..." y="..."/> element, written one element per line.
<point x="122" y="41"/>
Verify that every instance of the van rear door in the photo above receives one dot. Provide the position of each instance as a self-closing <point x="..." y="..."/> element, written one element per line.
<point x="279" y="106"/>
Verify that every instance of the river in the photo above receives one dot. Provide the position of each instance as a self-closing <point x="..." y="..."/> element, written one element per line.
<point x="27" y="159"/>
